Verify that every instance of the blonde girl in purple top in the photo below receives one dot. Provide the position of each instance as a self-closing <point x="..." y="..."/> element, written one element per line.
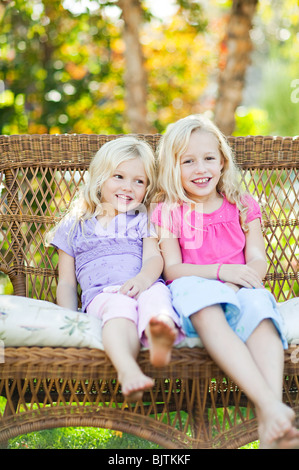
<point x="106" y="244"/>
<point x="214" y="256"/>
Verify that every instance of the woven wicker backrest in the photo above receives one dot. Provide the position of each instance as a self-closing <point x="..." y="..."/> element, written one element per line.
<point x="40" y="174"/>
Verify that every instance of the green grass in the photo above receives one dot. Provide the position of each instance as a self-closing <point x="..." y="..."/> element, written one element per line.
<point x="83" y="438"/>
<point x="86" y="438"/>
<point x="79" y="438"/>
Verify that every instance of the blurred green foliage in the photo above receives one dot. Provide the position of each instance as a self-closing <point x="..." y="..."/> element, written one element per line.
<point x="61" y="71"/>
<point x="57" y="68"/>
<point x="273" y="105"/>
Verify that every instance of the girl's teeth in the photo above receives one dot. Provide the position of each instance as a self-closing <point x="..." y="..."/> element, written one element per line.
<point x="202" y="180"/>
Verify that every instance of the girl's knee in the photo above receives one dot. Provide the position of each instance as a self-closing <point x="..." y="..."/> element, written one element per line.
<point x="207" y="316"/>
<point x="266" y="327"/>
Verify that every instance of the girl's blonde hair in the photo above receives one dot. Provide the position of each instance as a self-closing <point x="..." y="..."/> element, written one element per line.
<point x="105" y="162"/>
<point x="174" y="144"/>
<point x="88" y="202"/>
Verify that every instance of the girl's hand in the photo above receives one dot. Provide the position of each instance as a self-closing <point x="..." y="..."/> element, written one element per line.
<point x="133" y="287"/>
<point x="232" y="286"/>
<point x="241" y="275"/>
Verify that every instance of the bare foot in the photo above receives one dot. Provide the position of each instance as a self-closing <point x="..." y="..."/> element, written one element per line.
<point x="133" y="384"/>
<point x="276" y="429"/>
<point x="161" y="334"/>
<point x="290" y="440"/>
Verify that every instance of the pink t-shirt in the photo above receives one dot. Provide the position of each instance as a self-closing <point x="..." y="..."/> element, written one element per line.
<point x="208" y="238"/>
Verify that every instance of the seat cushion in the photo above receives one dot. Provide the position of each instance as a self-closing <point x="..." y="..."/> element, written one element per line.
<point x="31" y="322"/>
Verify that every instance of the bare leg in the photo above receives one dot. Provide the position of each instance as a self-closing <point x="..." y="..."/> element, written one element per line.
<point x="234" y="357"/>
<point x="121" y="343"/>
<point x="266" y="349"/>
<point x="161" y="333"/>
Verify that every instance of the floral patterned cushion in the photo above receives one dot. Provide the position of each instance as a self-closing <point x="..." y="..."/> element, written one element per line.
<point x="31" y="322"/>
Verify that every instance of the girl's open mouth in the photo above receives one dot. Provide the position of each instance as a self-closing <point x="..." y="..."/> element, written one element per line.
<point x="124" y="197"/>
<point x="201" y="181"/>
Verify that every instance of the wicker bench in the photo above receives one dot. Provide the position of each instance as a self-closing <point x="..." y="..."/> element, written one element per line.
<point x="193" y="404"/>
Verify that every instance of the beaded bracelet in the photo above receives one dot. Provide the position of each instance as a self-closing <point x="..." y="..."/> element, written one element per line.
<point x="218" y="269"/>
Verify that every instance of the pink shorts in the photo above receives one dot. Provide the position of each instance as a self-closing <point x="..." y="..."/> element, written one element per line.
<point x="156" y="300"/>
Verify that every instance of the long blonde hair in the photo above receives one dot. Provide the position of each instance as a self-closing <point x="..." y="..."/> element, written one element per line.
<point x="88" y="201"/>
<point x="173" y="145"/>
<point x="104" y="163"/>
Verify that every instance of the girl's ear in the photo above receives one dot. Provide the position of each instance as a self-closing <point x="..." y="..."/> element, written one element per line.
<point x="222" y="159"/>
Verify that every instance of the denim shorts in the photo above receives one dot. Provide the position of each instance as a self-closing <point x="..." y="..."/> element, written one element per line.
<point x="243" y="310"/>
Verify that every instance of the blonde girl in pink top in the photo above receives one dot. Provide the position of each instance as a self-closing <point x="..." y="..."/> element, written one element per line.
<point x="214" y="262"/>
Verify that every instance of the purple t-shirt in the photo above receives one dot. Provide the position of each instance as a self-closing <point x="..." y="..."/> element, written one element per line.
<point x="104" y="256"/>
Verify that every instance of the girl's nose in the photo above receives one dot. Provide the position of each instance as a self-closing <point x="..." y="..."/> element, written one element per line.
<point x="126" y="185"/>
<point x="200" y="167"/>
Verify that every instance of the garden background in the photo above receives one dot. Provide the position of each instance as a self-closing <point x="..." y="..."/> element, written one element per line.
<point x="134" y="66"/>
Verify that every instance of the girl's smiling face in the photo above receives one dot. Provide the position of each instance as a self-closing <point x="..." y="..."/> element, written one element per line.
<point x="201" y="167"/>
<point x="126" y="187"/>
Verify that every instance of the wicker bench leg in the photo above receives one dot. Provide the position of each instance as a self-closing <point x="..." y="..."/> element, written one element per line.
<point x="200" y="414"/>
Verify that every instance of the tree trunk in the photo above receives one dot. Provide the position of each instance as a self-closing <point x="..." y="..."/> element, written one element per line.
<point x="236" y="48"/>
<point x="135" y="74"/>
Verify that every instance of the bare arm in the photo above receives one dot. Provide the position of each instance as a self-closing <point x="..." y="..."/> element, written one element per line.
<point x="67" y="282"/>
<point x="256" y="262"/>
<point x="152" y="266"/>
<point x="255" y="253"/>
<point x="174" y="267"/>
<point x="249" y="275"/>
